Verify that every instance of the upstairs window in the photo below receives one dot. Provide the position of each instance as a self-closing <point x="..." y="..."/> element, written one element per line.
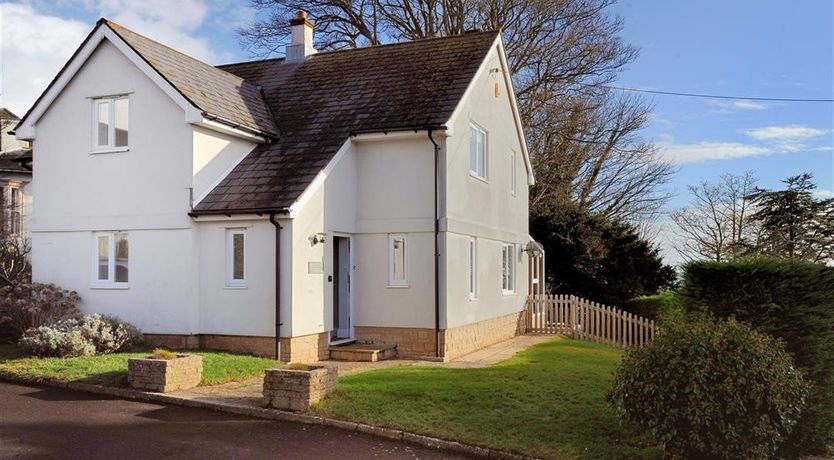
<point x="15" y="223"/>
<point x="111" y="259"/>
<point x="508" y="268"/>
<point x="477" y="152"/>
<point x="397" y="261"/>
<point x="236" y="258"/>
<point x="110" y="123"/>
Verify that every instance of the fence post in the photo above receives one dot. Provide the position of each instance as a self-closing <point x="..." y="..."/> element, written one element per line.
<point x="573" y="306"/>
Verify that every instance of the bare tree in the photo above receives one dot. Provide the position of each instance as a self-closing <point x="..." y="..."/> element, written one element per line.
<point x="719" y="224"/>
<point x="585" y="142"/>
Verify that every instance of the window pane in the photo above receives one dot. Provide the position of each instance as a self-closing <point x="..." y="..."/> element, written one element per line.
<point x="473" y="150"/>
<point x="237" y="255"/>
<point x="103" y="243"/>
<point x="103" y="125"/>
<point x="481" y="154"/>
<point x="121" y="122"/>
<point x="121" y="254"/>
<point x="399" y="259"/>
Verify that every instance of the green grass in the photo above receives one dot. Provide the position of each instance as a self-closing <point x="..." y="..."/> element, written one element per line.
<point x="548" y="401"/>
<point x="218" y="367"/>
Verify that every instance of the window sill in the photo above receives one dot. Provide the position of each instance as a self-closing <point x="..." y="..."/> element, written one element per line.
<point x="477" y="177"/>
<point x="236" y="288"/>
<point x="473" y="299"/>
<point x="507" y="293"/>
<point x="110" y="286"/>
<point x="109" y="150"/>
<point x="398" y="286"/>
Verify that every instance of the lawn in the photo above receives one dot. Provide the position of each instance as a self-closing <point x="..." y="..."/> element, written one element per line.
<point x="111" y="370"/>
<point x="548" y="401"/>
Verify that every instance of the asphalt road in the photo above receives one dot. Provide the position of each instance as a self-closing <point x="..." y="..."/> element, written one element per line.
<point x="51" y="423"/>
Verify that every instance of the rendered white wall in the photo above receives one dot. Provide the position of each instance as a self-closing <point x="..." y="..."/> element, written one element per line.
<point x="486" y="210"/>
<point x="215" y="155"/>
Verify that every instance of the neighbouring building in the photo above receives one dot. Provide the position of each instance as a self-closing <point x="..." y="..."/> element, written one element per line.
<point x="376" y="194"/>
<point x="15" y="175"/>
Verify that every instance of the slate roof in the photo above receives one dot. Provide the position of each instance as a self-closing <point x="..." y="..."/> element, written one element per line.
<point x="16" y="161"/>
<point x="320" y="102"/>
<point x="217" y="93"/>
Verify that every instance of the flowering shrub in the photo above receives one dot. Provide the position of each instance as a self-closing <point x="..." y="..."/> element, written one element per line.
<point x="29" y="305"/>
<point x="85" y="336"/>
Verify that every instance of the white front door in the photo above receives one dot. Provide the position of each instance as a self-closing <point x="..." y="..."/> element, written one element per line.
<point x="341" y="287"/>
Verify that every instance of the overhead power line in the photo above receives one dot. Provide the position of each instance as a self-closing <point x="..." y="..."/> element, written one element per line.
<point x="716" y="96"/>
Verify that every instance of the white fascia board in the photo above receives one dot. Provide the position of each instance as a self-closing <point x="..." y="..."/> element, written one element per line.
<point x="230" y="218"/>
<point x="396" y="135"/>
<point x="318" y="182"/>
<point x="26" y="131"/>
<point x="226" y="129"/>
<point x="508" y="82"/>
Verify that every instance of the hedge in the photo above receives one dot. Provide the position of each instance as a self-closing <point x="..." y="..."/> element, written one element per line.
<point x="789" y="299"/>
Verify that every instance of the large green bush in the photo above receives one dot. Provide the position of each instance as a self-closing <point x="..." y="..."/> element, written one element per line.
<point x="711" y="390"/>
<point x="662" y="306"/>
<point x="84" y="336"/>
<point x="791" y="300"/>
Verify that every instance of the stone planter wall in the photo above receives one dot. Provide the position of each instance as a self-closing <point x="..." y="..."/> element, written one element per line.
<point x="296" y="390"/>
<point x="163" y="375"/>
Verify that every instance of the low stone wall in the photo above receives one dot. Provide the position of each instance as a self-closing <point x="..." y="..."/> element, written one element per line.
<point x="301" y="349"/>
<point x="411" y="342"/>
<point x="465" y="339"/>
<point x="165" y="375"/>
<point x="296" y="390"/>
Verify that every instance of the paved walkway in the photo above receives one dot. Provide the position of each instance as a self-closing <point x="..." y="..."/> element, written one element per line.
<point x="248" y="392"/>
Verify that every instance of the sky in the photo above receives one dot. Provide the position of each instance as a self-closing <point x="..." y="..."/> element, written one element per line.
<point x="748" y="48"/>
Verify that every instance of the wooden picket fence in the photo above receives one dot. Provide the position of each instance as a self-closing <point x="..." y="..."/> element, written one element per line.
<point x="585" y="320"/>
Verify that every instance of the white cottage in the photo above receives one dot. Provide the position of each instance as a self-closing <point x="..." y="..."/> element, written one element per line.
<point x="376" y="195"/>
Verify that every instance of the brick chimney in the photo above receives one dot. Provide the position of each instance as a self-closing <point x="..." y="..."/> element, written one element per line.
<point x="301" y="45"/>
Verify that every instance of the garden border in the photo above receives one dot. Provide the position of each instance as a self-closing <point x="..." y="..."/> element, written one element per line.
<point x="272" y="414"/>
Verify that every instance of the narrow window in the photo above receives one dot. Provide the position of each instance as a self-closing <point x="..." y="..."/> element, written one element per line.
<point x="473" y="268"/>
<point x="397" y="260"/>
<point x="110" y="123"/>
<point x="477" y="152"/>
<point x="508" y="268"/>
<point x="236" y="257"/>
<point x="512" y="172"/>
<point x="15" y="224"/>
<point x="111" y="266"/>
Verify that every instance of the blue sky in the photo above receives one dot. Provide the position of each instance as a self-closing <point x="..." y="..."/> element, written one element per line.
<point x="740" y="47"/>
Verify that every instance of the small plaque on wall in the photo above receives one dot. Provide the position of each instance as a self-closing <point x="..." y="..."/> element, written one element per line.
<point x="315" y="268"/>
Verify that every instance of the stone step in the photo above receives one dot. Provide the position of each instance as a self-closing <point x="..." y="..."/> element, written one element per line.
<point x="365" y="352"/>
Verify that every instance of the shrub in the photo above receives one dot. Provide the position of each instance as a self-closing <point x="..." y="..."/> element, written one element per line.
<point x="665" y="305"/>
<point x="711" y="389"/>
<point x="85" y="336"/>
<point x="29" y="305"/>
<point x="791" y="300"/>
<point x="161" y="353"/>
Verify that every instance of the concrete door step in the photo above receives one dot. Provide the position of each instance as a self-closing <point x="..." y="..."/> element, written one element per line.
<point x="365" y="352"/>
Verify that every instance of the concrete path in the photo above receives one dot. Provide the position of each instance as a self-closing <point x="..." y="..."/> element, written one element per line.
<point x="51" y="423"/>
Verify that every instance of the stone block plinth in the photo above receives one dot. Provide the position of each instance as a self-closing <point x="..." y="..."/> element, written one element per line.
<point x="298" y="389"/>
<point x="165" y="375"/>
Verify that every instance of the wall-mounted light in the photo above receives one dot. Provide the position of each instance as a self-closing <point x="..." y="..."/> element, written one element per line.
<point x="317" y="238"/>
<point x="534" y="249"/>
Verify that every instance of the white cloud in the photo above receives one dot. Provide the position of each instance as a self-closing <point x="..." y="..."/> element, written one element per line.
<point x="707" y="151"/>
<point x="739" y="105"/>
<point x="33" y="48"/>
<point x="787" y="132"/>
<point x="824" y="194"/>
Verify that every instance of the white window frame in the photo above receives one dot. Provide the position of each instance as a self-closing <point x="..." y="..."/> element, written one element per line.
<point x="513" y="173"/>
<point x="473" y="268"/>
<point x="15" y="211"/>
<point x="231" y="281"/>
<point x="110" y="101"/>
<point x="394" y="283"/>
<point x="508" y="264"/>
<point x="110" y="282"/>
<point x="474" y="130"/>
